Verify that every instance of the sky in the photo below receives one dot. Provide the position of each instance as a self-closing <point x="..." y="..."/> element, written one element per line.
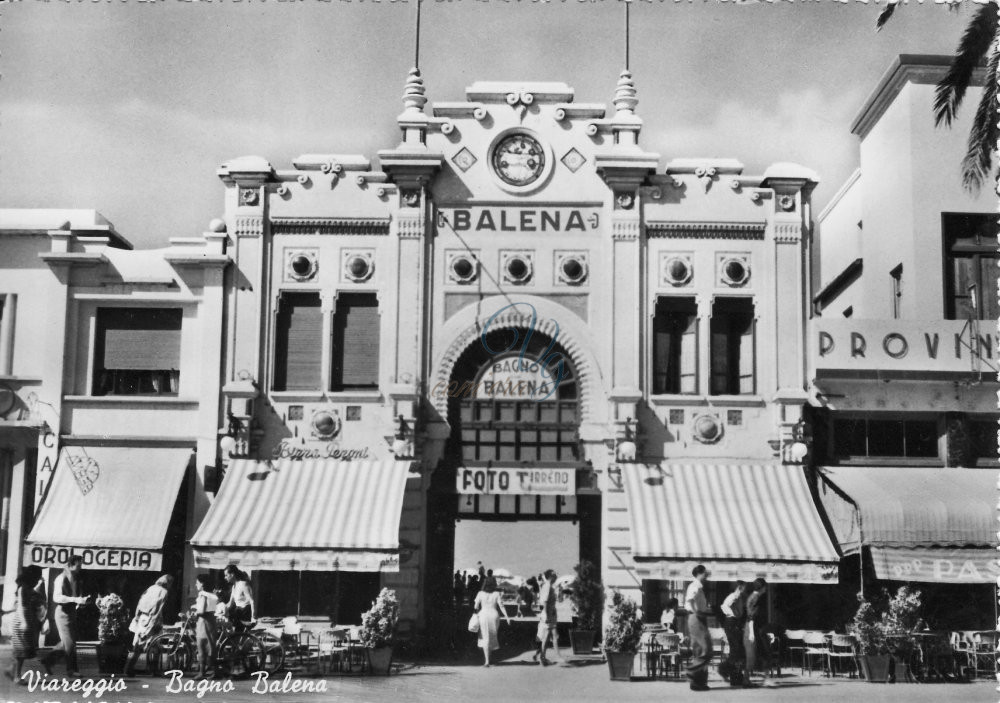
<point x="129" y="107"/>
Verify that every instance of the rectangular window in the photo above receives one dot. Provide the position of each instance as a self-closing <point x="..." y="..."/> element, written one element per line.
<point x="732" y="347"/>
<point x="298" y="344"/>
<point x="865" y="437"/>
<point x="675" y="346"/>
<point x="970" y="245"/>
<point x="517" y="431"/>
<point x="355" y="342"/>
<point x="983" y="442"/>
<point x="338" y="596"/>
<point x="137" y="351"/>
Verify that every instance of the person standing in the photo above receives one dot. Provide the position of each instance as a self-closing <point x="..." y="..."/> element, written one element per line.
<point x="66" y="597"/>
<point x="669" y="614"/>
<point x="548" y="620"/>
<point x="204" y="610"/>
<point x="29" y="612"/>
<point x="758" y="645"/>
<point x="734" y="609"/>
<point x="241" y="609"/>
<point x="148" y="620"/>
<point x="701" y="642"/>
<point x="487" y="606"/>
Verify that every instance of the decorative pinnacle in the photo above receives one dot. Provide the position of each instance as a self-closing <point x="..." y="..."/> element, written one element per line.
<point x="625" y="94"/>
<point x="413" y="95"/>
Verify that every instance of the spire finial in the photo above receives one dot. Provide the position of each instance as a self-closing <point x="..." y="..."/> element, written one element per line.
<point x="416" y="48"/>
<point x="625" y="94"/>
<point x="414" y="98"/>
<point x="628" y="4"/>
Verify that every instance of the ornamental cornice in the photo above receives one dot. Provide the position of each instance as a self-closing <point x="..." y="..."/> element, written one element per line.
<point x="330" y="225"/>
<point x="249" y="226"/>
<point x="705" y="230"/>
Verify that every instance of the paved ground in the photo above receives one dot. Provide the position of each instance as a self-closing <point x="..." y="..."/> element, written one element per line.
<point x="516" y="679"/>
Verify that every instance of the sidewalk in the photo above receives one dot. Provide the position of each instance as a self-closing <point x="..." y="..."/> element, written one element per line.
<point x="516" y="679"/>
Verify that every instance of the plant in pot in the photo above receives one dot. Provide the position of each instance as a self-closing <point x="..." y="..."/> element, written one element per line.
<point x="112" y="631"/>
<point x="587" y="596"/>
<point x="867" y="628"/>
<point x="378" y="630"/>
<point x="901" y="618"/>
<point x="621" y="637"/>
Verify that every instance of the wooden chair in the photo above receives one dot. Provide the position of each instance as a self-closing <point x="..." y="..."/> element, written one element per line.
<point x="794" y="646"/>
<point x="984" y="652"/>
<point x="962" y="651"/>
<point x="841" y="649"/>
<point x="719" y="642"/>
<point x="669" y="653"/>
<point x="332" y="647"/>
<point x="815" y="647"/>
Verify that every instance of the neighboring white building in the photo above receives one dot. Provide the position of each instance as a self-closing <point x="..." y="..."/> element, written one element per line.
<point x="903" y="346"/>
<point x="111" y="397"/>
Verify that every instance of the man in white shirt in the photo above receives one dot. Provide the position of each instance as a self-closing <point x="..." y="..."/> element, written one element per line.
<point x="66" y="596"/>
<point x="701" y="642"/>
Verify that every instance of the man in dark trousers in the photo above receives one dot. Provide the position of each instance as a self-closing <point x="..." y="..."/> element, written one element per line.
<point x="734" y="609"/>
<point x="66" y="597"/>
<point x="701" y="642"/>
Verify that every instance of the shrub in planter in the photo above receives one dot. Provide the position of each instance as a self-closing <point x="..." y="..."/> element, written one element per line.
<point x="112" y="631"/>
<point x="901" y="618"/>
<point x="868" y="630"/>
<point x="587" y="597"/>
<point x="621" y="638"/>
<point x="378" y="631"/>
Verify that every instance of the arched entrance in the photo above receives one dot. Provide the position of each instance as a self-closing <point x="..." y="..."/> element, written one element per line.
<point x="507" y="491"/>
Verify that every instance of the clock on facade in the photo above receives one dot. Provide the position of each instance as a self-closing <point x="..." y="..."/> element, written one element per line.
<point x="518" y="159"/>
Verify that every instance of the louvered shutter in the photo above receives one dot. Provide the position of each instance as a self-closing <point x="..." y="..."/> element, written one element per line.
<point x="720" y="352"/>
<point x="356" y="342"/>
<point x="140" y="339"/>
<point x="298" y="364"/>
<point x="662" y="352"/>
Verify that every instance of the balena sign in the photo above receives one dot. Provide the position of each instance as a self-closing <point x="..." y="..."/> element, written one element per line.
<point x="513" y="219"/>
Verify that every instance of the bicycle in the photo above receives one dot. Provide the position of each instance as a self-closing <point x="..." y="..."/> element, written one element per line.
<point x="239" y="652"/>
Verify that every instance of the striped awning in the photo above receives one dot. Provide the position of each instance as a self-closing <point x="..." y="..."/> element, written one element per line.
<point x="910" y="507"/>
<point x="739" y="520"/>
<point x="313" y="515"/>
<point x="110" y="505"/>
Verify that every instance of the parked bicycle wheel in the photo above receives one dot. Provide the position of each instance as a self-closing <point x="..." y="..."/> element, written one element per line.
<point x="240" y="654"/>
<point x="168" y="652"/>
<point x="274" y="652"/>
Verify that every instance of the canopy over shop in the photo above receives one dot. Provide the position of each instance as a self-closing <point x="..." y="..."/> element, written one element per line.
<point x="110" y="505"/>
<point x="927" y="525"/>
<point x="305" y="517"/>
<point x="741" y="521"/>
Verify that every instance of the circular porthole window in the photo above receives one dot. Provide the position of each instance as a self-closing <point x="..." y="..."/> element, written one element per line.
<point x="302" y="265"/>
<point x="573" y="269"/>
<point x="735" y="272"/>
<point x="518" y="269"/>
<point x="678" y="271"/>
<point x="463" y="269"/>
<point x="359" y="267"/>
<point x="325" y="424"/>
<point x="707" y="429"/>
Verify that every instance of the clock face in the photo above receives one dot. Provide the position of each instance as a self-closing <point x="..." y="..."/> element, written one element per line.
<point x="518" y="159"/>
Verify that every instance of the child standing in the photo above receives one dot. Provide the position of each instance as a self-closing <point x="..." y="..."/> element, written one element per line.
<point x="204" y="607"/>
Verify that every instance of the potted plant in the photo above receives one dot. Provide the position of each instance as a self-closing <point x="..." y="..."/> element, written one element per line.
<point x="621" y="637"/>
<point x="112" y="631"/>
<point x="868" y="630"/>
<point x="901" y="618"/>
<point x="378" y="629"/>
<point x="587" y="596"/>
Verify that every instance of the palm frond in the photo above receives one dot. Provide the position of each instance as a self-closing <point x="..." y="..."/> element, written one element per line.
<point x="885" y="15"/>
<point x="978" y="162"/>
<point x="974" y="45"/>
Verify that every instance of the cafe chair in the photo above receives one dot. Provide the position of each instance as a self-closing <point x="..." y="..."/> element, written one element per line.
<point x="963" y="651"/>
<point x="720" y="645"/>
<point x="985" y="645"/>
<point x="331" y="648"/>
<point x="794" y="646"/>
<point x="816" y="647"/>
<point x="842" y="650"/>
<point x="669" y="654"/>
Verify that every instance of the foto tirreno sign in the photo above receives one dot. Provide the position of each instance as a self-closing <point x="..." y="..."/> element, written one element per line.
<point x="515" y="481"/>
<point x="902" y="345"/>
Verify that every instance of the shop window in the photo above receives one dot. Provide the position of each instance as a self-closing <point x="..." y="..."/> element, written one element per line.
<point x="355" y="342"/>
<point x="732" y="347"/>
<point x="866" y="437"/>
<point x="970" y="245"/>
<point x="298" y="348"/>
<point x="340" y="597"/>
<point x="137" y="351"/>
<point x="983" y="442"/>
<point x="675" y="346"/>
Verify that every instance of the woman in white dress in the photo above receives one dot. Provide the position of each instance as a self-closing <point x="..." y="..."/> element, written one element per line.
<point x="487" y="606"/>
